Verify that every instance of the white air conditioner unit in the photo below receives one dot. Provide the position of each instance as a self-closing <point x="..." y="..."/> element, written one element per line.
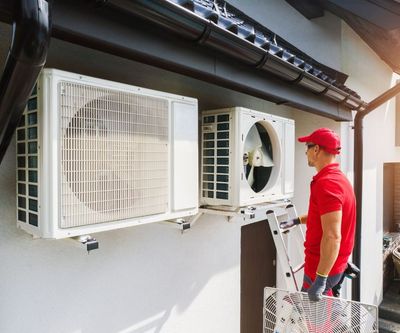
<point x="95" y="155"/>
<point x="247" y="157"/>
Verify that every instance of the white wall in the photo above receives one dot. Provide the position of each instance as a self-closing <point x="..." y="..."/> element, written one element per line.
<point x="148" y="278"/>
<point x="305" y="124"/>
<point x="370" y="77"/>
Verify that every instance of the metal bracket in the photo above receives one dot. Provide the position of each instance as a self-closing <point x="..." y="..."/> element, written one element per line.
<point x="256" y="213"/>
<point x="88" y="242"/>
<point x="229" y="214"/>
<point x="249" y="214"/>
<point x="185" y="224"/>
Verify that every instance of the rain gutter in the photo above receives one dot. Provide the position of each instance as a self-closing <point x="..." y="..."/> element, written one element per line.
<point x="27" y="55"/>
<point x="222" y="35"/>
<point x="358" y="176"/>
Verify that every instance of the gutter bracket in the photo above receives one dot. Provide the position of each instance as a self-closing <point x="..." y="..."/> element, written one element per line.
<point x="205" y="34"/>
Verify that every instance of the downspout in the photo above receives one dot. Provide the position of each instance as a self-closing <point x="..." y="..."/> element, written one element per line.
<point x="27" y="56"/>
<point x="358" y="176"/>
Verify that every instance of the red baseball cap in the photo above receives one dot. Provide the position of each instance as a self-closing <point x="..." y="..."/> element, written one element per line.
<point x="324" y="137"/>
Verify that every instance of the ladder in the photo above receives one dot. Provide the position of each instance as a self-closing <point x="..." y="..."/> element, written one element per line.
<point x="283" y="239"/>
<point x="290" y="269"/>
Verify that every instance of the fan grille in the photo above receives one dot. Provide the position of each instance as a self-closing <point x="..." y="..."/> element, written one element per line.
<point x="114" y="155"/>
<point x="216" y="156"/>
<point x="28" y="163"/>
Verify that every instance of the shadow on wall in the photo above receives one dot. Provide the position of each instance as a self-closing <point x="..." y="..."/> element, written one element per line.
<point x="142" y="279"/>
<point x="68" y="57"/>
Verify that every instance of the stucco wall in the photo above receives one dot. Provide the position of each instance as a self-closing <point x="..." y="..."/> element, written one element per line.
<point x="149" y="278"/>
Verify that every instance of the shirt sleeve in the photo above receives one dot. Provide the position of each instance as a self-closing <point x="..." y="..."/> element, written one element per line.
<point x="329" y="197"/>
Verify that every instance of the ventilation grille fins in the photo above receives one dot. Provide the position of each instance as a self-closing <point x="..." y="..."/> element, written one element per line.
<point x="216" y="156"/>
<point x="27" y="163"/>
<point x="114" y="155"/>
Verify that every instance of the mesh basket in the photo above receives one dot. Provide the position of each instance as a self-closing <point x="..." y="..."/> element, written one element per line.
<point x="293" y="312"/>
<point x="396" y="259"/>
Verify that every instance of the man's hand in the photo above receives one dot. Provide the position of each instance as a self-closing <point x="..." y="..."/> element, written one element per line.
<point x="290" y="223"/>
<point x="317" y="288"/>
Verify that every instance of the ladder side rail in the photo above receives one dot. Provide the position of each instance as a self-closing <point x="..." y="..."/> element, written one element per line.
<point x="291" y="209"/>
<point x="282" y="252"/>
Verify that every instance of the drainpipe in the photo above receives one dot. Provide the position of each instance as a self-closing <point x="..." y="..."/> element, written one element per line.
<point x="26" y="57"/>
<point x="358" y="176"/>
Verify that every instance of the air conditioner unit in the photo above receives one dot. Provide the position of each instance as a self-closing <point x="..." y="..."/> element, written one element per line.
<point x="247" y="157"/>
<point x="95" y="155"/>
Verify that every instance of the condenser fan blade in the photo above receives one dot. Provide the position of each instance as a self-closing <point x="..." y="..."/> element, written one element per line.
<point x="250" y="178"/>
<point x="266" y="160"/>
<point x="253" y="142"/>
<point x="253" y="139"/>
<point x="255" y="157"/>
<point x="258" y="157"/>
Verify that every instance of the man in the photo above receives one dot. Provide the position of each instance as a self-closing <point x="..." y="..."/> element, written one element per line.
<point x="331" y="216"/>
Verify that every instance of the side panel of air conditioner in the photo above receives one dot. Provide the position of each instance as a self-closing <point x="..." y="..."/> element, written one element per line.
<point x="288" y="153"/>
<point x="29" y="155"/>
<point x="185" y="156"/>
<point x="109" y="155"/>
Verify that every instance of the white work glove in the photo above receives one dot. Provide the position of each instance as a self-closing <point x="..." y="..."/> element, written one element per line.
<point x="290" y="223"/>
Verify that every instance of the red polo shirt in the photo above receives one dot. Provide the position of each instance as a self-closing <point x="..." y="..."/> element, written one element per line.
<point x="330" y="191"/>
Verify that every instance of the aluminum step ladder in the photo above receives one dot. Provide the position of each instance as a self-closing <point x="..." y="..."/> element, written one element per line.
<point x="290" y="310"/>
<point x="282" y="242"/>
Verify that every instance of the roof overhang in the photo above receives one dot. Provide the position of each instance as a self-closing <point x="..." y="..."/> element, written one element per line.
<point x="141" y="31"/>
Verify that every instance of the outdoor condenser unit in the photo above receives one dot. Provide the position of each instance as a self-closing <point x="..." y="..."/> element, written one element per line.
<point x="247" y="157"/>
<point x="95" y="155"/>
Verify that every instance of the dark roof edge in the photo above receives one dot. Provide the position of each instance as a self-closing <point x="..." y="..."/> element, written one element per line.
<point x="334" y="75"/>
<point x="240" y="44"/>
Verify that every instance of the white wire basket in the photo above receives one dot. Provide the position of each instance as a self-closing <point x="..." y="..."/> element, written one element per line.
<point x="293" y="312"/>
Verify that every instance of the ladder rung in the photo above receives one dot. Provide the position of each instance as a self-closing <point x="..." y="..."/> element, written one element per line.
<point x="298" y="268"/>
<point x="286" y="231"/>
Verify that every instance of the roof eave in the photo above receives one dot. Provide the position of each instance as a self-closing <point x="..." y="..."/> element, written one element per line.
<point x="207" y="32"/>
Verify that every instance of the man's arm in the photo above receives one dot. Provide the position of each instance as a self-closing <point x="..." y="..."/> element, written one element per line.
<point x="303" y="219"/>
<point x="291" y="223"/>
<point x="329" y="250"/>
<point x="330" y="242"/>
